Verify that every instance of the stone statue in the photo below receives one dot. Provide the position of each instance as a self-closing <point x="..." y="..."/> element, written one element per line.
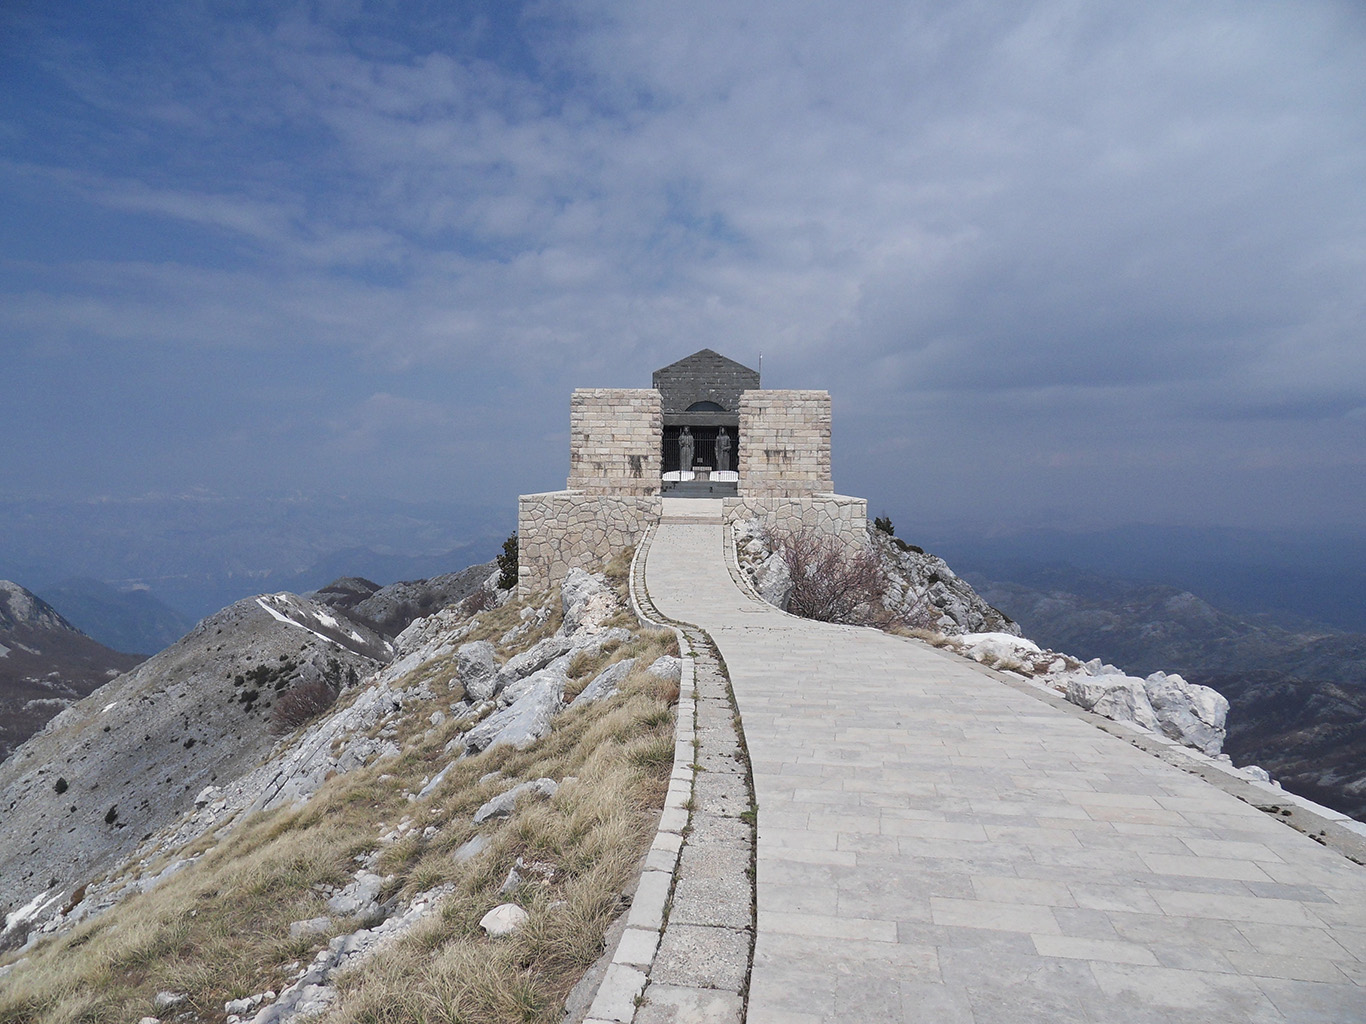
<point x="723" y="451"/>
<point x="685" y="450"/>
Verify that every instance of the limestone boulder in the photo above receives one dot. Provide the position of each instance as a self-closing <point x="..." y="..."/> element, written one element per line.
<point x="470" y="849"/>
<point x="533" y="659"/>
<point x="592" y="642"/>
<point x="476" y="669"/>
<point x="668" y="667"/>
<point x="1119" y="698"/>
<point x="605" y="683"/>
<point x="503" y="920"/>
<point x="556" y="675"/>
<point x="992" y="648"/>
<point x="525" y="720"/>
<point x="586" y="600"/>
<point x="1187" y="712"/>
<point x="773" y="581"/>
<point x="504" y="804"/>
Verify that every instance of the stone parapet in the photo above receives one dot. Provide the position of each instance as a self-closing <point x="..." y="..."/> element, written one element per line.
<point x="615" y="437"/>
<point x="785" y="447"/>
<point x="559" y="530"/>
<point x="838" y="515"/>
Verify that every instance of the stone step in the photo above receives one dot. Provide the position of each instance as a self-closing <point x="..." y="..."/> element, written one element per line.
<point x="692" y="510"/>
<point x="700" y="489"/>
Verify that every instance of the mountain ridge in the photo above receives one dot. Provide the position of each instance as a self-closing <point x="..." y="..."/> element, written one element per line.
<point x="46" y="663"/>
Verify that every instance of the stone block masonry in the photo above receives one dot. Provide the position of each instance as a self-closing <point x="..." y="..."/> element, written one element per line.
<point x="785" y="443"/>
<point x="562" y="529"/>
<point x="839" y="515"/>
<point x="614" y="441"/>
<point x="615" y="455"/>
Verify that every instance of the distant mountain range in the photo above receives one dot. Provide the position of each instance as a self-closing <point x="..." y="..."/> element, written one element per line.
<point x="132" y="621"/>
<point x="198" y="553"/>
<point x="1292" y="576"/>
<point x="1297" y="689"/>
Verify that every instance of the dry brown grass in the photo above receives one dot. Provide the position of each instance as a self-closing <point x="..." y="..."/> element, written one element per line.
<point x="931" y="636"/>
<point x="219" y="929"/>
<point x="618" y="574"/>
<point x="492" y="625"/>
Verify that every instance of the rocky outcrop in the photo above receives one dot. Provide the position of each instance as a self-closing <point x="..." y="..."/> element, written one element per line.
<point x="920" y="589"/>
<point x="1193" y="715"/>
<point x="1190" y="714"/>
<point x="923" y="591"/>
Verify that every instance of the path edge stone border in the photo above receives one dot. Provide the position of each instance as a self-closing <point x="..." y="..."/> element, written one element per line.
<point x="619" y="993"/>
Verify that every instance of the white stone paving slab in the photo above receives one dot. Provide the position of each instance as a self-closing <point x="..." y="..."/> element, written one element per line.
<point x="1031" y="865"/>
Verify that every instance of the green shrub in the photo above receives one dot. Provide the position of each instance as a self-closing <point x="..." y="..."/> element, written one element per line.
<point x="507" y="563"/>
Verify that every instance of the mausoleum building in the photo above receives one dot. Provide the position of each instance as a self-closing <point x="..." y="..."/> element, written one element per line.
<point x="706" y="429"/>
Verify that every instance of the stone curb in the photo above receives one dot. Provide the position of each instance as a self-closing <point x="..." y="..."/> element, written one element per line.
<point x="618" y="995"/>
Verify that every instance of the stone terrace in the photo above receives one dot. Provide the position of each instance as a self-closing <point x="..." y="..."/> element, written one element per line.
<point x="936" y="845"/>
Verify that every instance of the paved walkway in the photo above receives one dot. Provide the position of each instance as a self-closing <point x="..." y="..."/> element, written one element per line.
<point x="937" y="846"/>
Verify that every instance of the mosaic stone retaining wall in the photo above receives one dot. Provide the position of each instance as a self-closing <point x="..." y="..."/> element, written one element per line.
<point x="558" y="530"/>
<point x="840" y="515"/>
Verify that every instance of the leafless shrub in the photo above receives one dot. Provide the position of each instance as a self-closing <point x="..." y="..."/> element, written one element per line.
<point x="300" y="703"/>
<point x="477" y="601"/>
<point x="829" y="582"/>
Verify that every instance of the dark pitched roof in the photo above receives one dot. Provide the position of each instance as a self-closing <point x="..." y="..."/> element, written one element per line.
<point x="704" y="376"/>
<point x="706" y="362"/>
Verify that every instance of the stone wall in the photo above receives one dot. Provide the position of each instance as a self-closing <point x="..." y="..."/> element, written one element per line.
<point x="839" y="515"/>
<point x="614" y="441"/>
<point x="562" y="529"/>
<point x="785" y="447"/>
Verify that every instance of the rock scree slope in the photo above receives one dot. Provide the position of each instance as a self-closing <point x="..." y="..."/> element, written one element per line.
<point x="123" y="762"/>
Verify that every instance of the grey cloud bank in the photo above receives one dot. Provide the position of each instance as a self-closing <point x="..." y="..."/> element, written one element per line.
<point x="1057" y="264"/>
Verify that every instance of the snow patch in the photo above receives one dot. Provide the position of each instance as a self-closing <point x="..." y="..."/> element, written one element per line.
<point x="331" y="623"/>
<point x="281" y="617"/>
<point x="32" y="909"/>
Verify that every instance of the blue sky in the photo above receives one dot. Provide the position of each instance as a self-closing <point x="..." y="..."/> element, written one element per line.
<point x="1058" y="263"/>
